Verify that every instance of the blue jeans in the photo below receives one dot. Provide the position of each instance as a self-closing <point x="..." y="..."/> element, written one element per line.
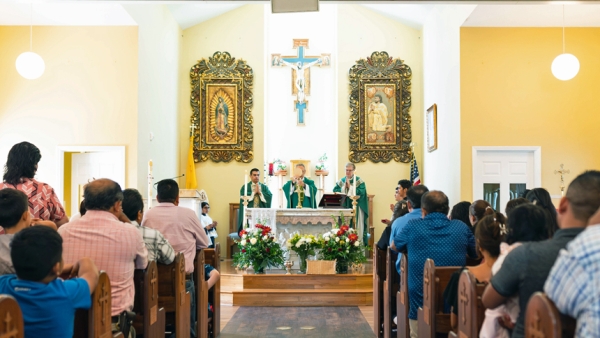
<point x="189" y="287"/>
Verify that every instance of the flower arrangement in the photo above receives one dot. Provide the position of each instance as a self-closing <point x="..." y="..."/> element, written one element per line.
<point x="304" y="246"/>
<point x="321" y="165"/>
<point x="343" y="245"/>
<point x="258" y="249"/>
<point x="280" y="164"/>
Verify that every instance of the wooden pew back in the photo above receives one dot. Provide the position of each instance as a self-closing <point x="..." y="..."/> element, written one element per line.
<point x="150" y="318"/>
<point x="173" y="297"/>
<point x="402" y="302"/>
<point x="201" y="287"/>
<point x="96" y="322"/>
<point x="542" y="319"/>
<point x="213" y="258"/>
<point x="11" y="318"/>
<point x="431" y="318"/>
<point x="379" y="259"/>
<point x="471" y="312"/>
<point x="390" y="288"/>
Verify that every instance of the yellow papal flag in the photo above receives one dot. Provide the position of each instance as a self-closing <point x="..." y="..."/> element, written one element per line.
<point x="190" y="172"/>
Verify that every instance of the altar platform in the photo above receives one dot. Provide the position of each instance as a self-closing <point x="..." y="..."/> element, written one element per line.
<point x="275" y="288"/>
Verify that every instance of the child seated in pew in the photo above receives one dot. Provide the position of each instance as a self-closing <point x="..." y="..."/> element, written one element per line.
<point x="212" y="276"/>
<point x="489" y="233"/>
<point x="48" y="303"/>
<point x="14" y="217"/>
<point x="526" y="223"/>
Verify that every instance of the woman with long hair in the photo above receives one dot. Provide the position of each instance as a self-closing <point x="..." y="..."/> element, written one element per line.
<point x="541" y="197"/>
<point x="19" y="171"/>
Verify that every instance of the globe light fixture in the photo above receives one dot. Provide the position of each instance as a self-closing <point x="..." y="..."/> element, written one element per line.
<point x="565" y="66"/>
<point x="29" y="64"/>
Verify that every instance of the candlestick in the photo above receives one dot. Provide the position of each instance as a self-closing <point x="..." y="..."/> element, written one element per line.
<point x="246" y="181"/>
<point x="150" y="184"/>
<point x="354" y="184"/>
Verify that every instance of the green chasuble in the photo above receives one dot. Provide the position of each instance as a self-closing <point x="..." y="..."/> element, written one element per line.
<point x="248" y="190"/>
<point x="310" y="194"/>
<point x="362" y="203"/>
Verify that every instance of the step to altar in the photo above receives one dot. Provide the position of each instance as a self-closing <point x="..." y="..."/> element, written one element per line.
<point x="275" y="288"/>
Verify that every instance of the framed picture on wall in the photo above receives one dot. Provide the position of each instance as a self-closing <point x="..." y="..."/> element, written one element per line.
<point x="431" y="119"/>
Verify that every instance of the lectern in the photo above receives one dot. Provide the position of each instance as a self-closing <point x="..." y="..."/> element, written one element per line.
<point x="332" y="201"/>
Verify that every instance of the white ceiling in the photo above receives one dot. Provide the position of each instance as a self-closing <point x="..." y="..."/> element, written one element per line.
<point x="190" y="13"/>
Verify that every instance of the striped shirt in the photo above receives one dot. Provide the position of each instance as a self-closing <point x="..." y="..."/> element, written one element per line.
<point x="574" y="282"/>
<point x="115" y="247"/>
<point x="181" y="227"/>
<point x="43" y="202"/>
<point x="158" y="247"/>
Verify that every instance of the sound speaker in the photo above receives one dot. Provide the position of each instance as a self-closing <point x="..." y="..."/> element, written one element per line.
<point x="293" y="6"/>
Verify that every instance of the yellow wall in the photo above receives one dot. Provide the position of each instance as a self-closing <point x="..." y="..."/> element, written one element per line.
<point x="87" y="96"/>
<point x="509" y="97"/>
<point x="361" y="32"/>
<point x="239" y="32"/>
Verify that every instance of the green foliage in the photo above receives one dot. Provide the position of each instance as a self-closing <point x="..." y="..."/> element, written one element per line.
<point x="258" y="249"/>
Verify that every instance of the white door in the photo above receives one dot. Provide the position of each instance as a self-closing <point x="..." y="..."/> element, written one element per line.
<point x="502" y="174"/>
<point x="88" y="166"/>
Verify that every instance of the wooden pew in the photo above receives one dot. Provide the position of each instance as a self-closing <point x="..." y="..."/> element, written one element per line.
<point x="213" y="258"/>
<point x="402" y="301"/>
<point x="390" y="288"/>
<point x="471" y="312"/>
<point x="431" y="319"/>
<point x="149" y="318"/>
<point x="379" y="263"/>
<point x="173" y="296"/>
<point x="201" y="287"/>
<point x="96" y="322"/>
<point x="12" y="318"/>
<point x="542" y="319"/>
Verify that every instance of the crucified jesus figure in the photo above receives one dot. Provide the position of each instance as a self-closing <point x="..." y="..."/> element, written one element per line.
<point x="299" y="68"/>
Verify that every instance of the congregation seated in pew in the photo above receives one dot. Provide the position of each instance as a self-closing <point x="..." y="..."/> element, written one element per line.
<point x="114" y="246"/>
<point x="526" y="268"/>
<point x="48" y="303"/>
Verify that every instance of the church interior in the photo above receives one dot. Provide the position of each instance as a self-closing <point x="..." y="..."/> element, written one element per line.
<point x="117" y="77"/>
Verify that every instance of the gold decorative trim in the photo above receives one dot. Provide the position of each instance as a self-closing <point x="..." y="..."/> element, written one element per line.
<point x="225" y="131"/>
<point x="378" y="133"/>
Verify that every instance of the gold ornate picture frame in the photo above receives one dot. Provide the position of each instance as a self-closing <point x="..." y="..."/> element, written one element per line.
<point x="431" y="121"/>
<point x="221" y="100"/>
<point x="380" y="98"/>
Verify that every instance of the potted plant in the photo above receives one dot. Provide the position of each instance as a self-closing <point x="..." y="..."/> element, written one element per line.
<point x="258" y="249"/>
<point x="321" y="166"/>
<point x="304" y="246"/>
<point x="343" y="245"/>
<point x="281" y="167"/>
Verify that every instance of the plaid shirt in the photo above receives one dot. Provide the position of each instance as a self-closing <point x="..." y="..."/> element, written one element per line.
<point x="43" y="202"/>
<point x="115" y="247"/>
<point x="158" y="247"/>
<point x="574" y="282"/>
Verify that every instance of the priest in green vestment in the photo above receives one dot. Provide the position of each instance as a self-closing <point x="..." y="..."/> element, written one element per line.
<point x="260" y="195"/>
<point x="346" y="186"/>
<point x="300" y="188"/>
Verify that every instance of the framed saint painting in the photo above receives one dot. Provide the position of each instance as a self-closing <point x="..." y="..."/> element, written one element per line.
<point x="221" y="101"/>
<point x="431" y="120"/>
<point x="379" y="102"/>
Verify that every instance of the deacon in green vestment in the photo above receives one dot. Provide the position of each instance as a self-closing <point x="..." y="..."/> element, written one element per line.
<point x="300" y="187"/>
<point x="260" y="195"/>
<point x="345" y="186"/>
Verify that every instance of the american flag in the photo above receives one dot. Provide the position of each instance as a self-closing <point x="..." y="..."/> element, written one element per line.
<point x="414" y="171"/>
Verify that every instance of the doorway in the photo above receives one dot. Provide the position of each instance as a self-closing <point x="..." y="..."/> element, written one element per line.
<point x="80" y="164"/>
<point x="501" y="174"/>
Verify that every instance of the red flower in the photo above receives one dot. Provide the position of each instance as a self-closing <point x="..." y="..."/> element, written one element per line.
<point x="344" y="228"/>
<point x="340" y="233"/>
<point x="329" y="249"/>
<point x="242" y="233"/>
<point x="267" y="250"/>
<point x="353" y="237"/>
<point x="340" y="249"/>
<point x="243" y="250"/>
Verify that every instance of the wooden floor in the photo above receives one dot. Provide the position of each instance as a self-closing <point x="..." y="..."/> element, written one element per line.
<point x="227" y="313"/>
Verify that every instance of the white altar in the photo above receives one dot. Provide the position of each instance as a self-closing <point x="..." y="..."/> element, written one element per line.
<point x="285" y="222"/>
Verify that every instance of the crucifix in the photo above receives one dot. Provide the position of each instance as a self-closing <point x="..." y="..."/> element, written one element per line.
<point x="535" y="328"/>
<point x="10" y="330"/>
<point x="103" y="301"/>
<point x="300" y="66"/>
<point x="463" y="298"/>
<point x="192" y="128"/>
<point x="562" y="171"/>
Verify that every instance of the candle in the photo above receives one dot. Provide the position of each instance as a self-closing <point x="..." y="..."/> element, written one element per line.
<point x="354" y="184"/>
<point x="246" y="181"/>
<point x="270" y="169"/>
<point x="150" y="184"/>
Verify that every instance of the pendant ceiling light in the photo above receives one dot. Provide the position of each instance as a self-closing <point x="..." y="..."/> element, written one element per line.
<point x="565" y="66"/>
<point x="29" y="64"/>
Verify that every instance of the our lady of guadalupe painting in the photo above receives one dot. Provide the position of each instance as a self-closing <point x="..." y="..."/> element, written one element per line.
<point x="380" y="124"/>
<point x="221" y="101"/>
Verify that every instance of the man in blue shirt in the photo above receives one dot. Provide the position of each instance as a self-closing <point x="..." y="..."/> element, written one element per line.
<point x="413" y="197"/>
<point x="47" y="302"/>
<point x="434" y="236"/>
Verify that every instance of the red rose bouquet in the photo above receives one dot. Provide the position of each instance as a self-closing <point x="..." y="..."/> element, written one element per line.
<point x="258" y="249"/>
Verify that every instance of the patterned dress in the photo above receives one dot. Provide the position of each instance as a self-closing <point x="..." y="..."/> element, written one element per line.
<point x="43" y="202"/>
